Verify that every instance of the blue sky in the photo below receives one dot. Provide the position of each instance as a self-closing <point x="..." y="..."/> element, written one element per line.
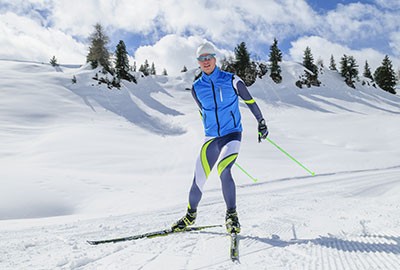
<point x="167" y="32"/>
<point x="325" y="5"/>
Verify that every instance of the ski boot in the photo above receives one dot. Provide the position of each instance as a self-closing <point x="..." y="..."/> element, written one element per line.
<point x="185" y="221"/>
<point x="232" y="221"/>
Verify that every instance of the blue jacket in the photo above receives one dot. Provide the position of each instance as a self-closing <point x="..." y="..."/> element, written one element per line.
<point x="219" y="103"/>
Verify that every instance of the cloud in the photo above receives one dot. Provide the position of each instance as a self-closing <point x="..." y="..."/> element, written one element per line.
<point x="230" y="22"/>
<point x="225" y="22"/>
<point x="323" y="49"/>
<point x="389" y="4"/>
<point x="394" y="43"/>
<point x="23" y="38"/>
<point x="353" y="21"/>
<point x="172" y="52"/>
<point x="358" y="25"/>
<point x="53" y="27"/>
<point x="131" y="16"/>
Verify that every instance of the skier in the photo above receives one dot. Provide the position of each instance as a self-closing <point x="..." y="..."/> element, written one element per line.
<point x="216" y="93"/>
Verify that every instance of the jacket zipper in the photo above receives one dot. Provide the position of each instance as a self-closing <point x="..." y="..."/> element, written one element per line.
<point x="216" y="108"/>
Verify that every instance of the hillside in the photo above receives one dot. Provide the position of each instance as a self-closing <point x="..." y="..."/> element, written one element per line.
<point x="81" y="161"/>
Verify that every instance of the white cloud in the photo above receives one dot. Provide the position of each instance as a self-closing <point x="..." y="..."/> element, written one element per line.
<point x="358" y="23"/>
<point x="390" y="4"/>
<point x="323" y="49"/>
<point x="395" y="43"/>
<point x="172" y="52"/>
<point x="224" y="22"/>
<point x="353" y="21"/>
<point x="61" y="27"/>
<point x="230" y="22"/>
<point x="131" y="16"/>
<point x="25" y="39"/>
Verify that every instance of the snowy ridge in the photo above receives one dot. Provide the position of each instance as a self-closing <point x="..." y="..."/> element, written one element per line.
<point x="81" y="161"/>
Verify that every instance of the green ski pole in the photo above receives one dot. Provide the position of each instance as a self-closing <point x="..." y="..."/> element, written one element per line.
<point x="292" y="158"/>
<point x="246" y="173"/>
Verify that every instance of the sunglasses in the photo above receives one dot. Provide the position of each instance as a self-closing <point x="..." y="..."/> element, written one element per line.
<point x="206" y="57"/>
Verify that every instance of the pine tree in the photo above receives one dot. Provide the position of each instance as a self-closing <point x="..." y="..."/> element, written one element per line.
<point x="53" y="61"/>
<point x="164" y="72"/>
<point x="385" y="76"/>
<point x="153" y="69"/>
<point x="122" y="62"/>
<point x="145" y="68"/>
<point x="228" y="64"/>
<point x="367" y="71"/>
<point x="348" y="70"/>
<point x="242" y="56"/>
<point x="250" y="74"/>
<point x="184" y="69"/>
<point x="262" y="69"/>
<point x="243" y="67"/>
<point x="308" y="60"/>
<point x="311" y="73"/>
<point x="275" y="56"/>
<point x="98" y="53"/>
<point x="332" y="64"/>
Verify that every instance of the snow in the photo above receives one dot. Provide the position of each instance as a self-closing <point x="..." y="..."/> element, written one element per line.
<point x="82" y="162"/>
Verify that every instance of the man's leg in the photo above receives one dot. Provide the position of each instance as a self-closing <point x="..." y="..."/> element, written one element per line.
<point x="228" y="157"/>
<point x="205" y="162"/>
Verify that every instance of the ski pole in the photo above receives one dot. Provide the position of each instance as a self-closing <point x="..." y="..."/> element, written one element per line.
<point x="246" y="173"/>
<point x="292" y="158"/>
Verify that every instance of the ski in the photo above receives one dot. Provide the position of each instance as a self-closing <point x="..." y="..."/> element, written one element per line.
<point x="149" y="235"/>
<point x="234" y="247"/>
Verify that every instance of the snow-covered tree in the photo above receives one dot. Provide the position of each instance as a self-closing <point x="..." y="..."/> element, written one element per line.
<point x="153" y="69"/>
<point x="311" y="71"/>
<point x="385" y="76"/>
<point x="244" y="68"/>
<point x="349" y="70"/>
<point x="53" y="61"/>
<point x="98" y="53"/>
<point x="228" y="64"/>
<point x="122" y="62"/>
<point x="145" y="68"/>
<point x="367" y="71"/>
<point x="250" y="74"/>
<point x="308" y="61"/>
<point x="262" y="69"/>
<point x="332" y="64"/>
<point x="275" y="56"/>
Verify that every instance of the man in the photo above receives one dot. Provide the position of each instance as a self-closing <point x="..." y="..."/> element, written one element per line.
<point x="216" y="93"/>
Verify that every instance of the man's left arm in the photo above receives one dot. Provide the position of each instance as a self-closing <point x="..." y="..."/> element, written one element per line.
<point x="244" y="93"/>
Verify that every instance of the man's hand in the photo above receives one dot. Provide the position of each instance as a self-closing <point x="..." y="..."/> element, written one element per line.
<point x="262" y="130"/>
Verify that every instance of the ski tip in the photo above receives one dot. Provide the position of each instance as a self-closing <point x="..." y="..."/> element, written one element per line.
<point x="94" y="242"/>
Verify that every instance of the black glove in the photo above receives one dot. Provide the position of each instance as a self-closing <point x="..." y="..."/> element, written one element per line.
<point x="262" y="130"/>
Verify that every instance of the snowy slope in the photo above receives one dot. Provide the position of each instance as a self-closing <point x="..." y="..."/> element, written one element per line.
<point x="81" y="161"/>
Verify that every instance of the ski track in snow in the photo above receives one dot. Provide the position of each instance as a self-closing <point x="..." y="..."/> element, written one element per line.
<point x="281" y="241"/>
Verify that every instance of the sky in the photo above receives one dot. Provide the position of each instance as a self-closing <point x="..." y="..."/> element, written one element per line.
<point x="167" y="32"/>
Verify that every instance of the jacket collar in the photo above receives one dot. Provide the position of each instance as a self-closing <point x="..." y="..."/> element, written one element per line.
<point x="213" y="76"/>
